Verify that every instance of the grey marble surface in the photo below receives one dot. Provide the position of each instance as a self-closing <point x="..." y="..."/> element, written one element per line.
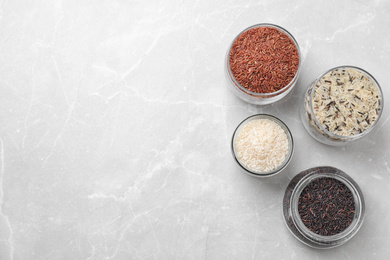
<point x="115" y="123"/>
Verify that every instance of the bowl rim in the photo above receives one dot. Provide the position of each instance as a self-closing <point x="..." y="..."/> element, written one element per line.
<point x="271" y="94"/>
<point x="336" y="136"/>
<point x="290" y="139"/>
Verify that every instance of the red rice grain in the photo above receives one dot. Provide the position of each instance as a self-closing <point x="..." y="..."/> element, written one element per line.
<point x="264" y="59"/>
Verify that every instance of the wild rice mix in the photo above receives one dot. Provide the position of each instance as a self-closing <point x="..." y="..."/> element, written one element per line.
<point x="346" y="101"/>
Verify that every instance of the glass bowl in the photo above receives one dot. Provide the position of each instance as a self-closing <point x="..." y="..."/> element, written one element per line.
<point x="294" y="222"/>
<point x="317" y="130"/>
<point x="254" y="97"/>
<point x="287" y="158"/>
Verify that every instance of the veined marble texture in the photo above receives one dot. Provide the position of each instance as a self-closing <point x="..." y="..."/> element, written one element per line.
<point x="116" y="122"/>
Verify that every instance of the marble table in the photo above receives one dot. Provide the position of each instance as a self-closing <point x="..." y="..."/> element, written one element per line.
<point x="116" y="119"/>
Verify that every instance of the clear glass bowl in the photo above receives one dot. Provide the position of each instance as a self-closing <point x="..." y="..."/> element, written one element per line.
<point x="254" y="97"/>
<point x="286" y="160"/>
<point x="294" y="222"/>
<point x="316" y="130"/>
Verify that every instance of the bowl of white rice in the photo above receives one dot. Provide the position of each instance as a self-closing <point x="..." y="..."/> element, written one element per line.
<point x="262" y="145"/>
